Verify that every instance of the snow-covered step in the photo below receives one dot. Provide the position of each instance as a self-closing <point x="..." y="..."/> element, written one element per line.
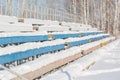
<point x="39" y="22"/>
<point x="80" y="28"/>
<point x="70" y="24"/>
<point x="53" y="28"/>
<point x="34" y="33"/>
<point x="8" y="19"/>
<point x="14" y="27"/>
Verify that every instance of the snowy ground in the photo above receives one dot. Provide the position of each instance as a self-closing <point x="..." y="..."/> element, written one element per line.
<point x="107" y="66"/>
<point x="106" y="69"/>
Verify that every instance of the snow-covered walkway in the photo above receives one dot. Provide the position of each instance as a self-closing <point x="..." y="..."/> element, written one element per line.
<point x="106" y="69"/>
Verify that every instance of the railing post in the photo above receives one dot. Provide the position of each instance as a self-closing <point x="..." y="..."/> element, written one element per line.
<point x="35" y="9"/>
<point x="23" y="8"/>
<point x="1" y="7"/>
<point x="9" y="7"/>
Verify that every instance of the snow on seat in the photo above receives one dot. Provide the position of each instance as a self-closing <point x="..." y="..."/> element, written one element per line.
<point x="8" y="19"/>
<point x="18" y="37"/>
<point x="53" y="28"/>
<point x="14" y="27"/>
<point x="13" y="53"/>
<point x="40" y="22"/>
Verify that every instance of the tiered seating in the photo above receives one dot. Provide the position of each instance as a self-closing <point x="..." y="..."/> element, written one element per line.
<point x="56" y="36"/>
<point x="38" y="48"/>
<point x="37" y="36"/>
<point x="11" y="24"/>
<point x="14" y="24"/>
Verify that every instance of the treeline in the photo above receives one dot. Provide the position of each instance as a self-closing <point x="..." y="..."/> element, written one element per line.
<point x="103" y="14"/>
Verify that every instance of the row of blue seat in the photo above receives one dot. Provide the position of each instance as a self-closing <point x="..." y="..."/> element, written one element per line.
<point x="81" y="42"/>
<point x="23" y="39"/>
<point x="43" y="50"/>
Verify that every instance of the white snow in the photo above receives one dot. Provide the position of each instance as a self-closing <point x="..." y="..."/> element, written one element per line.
<point x="8" y="19"/>
<point x="11" y="34"/>
<point x="79" y="27"/>
<point x="33" y="45"/>
<point x="48" y="58"/>
<point x="73" y="32"/>
<point x="38" y="21"/>
<point x="54" y="28"/>
<point x="83" y="38"/>
<point x="74" y="71"/>
<point x="15" y="27"/>
<point x="106" y="68"/>
<point x="11" y="24"/>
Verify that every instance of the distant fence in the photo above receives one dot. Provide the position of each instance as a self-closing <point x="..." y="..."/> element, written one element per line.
<point x="38" y="12"/>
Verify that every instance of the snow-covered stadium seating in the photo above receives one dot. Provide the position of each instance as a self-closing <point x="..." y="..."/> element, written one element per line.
<point x="23" y="40"/>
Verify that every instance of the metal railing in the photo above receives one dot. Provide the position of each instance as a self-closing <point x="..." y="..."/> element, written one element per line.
<point x="37" y="12"/>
